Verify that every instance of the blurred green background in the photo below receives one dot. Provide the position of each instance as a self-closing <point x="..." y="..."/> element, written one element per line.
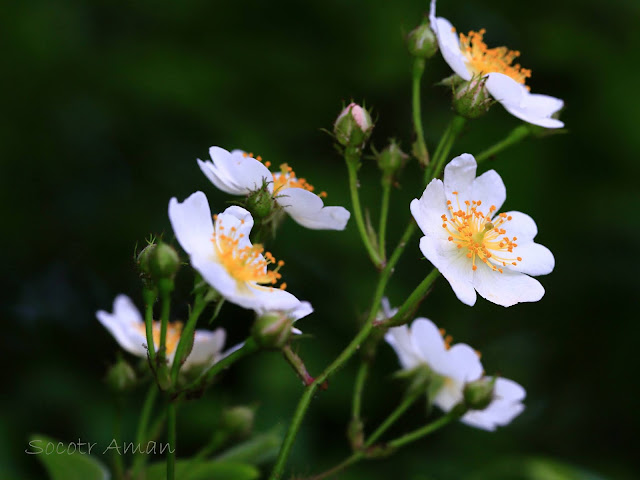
<point x="107" y="105"/>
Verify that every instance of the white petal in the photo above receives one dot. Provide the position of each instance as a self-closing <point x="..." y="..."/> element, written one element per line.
<point x="428" y="341"/>
<point x="192" y="223"/>
<point x="516" y="99"/>
<point x="521" y="226"/>
<point x="449" y="42"/>
<point x="462" y="364"/>
<point x="459" y="175"/>
<point x="429" y="209"/>
<point x="238" y="218"/>
<point x="215" y="274"/>
<point x="400" y="340"/>
<point x="300" y="311"/>
<point x="490" y="189"/>
<point x="242" y="174"/>
<point x="502" y="410"/>
<point x="125" y="324"/>
<point x="453" y="264"/>
<point x="259" y="298"/>
<point x="506" y="288"/>
<point x="220" y="178"/>
<point x="307" y="209"/>
<point x="536" y="259"/>
<point x="207" y="347"/>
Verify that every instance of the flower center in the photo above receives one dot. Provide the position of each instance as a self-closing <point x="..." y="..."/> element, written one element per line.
<point x="174" y="330"/>
<point x="484" y="239"/>
<point x="244" y="263"/>
<point x="482" y="60"/>
<point x="286" y="178"/>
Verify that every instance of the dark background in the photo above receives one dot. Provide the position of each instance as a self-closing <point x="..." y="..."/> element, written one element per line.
<point x="106" y="106"/>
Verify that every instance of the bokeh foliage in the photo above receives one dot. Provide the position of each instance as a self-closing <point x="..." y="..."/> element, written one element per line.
<point x="107" y="104"/>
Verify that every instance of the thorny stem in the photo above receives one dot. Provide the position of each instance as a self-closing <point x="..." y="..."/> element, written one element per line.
<point x="346" y="354"/>
<point x="298" y="365"/>
<point x="409" y="306"/>
<point x="355" y="457"/>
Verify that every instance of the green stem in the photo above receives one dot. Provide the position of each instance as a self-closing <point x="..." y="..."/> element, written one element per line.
<point x="150" y="297"/>
<point x="118" y="464"/>
<point x="165" y="286"/>
<point x="421" y="146"/>
<point x="298" y="365"/>
<point x="453" y="414"/>
<point x="171" y="440"/>
<point x="361" y="379"/>
<point x="186" y="338"/>
<point x="391" y="419"/>
<point x="352" y="158"/>
<point x="395" y="444"/>
<point x="516" y="135"/>
<point x="444" y="147"/>
<point x="346" y="354"/>
<point x="249" y="347"/>
<point x="412" y="302"/>
<point x="143" y="425"/>
<point x="384" y="215"/>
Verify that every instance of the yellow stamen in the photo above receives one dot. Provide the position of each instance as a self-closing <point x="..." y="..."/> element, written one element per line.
<point x="482" y="60"/>
<point x="483" y="237"/>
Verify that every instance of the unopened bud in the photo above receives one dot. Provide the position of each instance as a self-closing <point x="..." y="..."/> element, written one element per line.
<point x="272" y="330"/>
<point x="479" y="394"/>
<point x="237" y="421"/>
<point x="260" y="202"/>
<point x="143" y="261"/>
<point x="471" y="99"/>
<point x="121" y="376"/>
<point x="391" y="159"/>
<point x="353" y="126"/>
<point x="163" y="261"/>
<point x="422" y="42"/>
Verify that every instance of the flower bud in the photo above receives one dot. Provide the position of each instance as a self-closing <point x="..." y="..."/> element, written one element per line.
<point x="479" y="394"/>
<point x="471" y="99"/>
<point x="121" y="376"/>
<point x="142" y="261"/>
<point x="163" y="261"/>
<point x="391" y="159"/>
<point x="353" y="126"/>
<point x="272" y="330"/>
<point x="260" y="202"/>
<point x="237" y="421"/>
<point x="422" y="42"/>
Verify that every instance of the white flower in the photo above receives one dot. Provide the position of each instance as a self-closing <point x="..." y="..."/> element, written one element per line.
<point x="128" y="328"/>
<point x="468" y="56"/>
<point x="506" y="405"/>
<point x="471" y="245"/>
<point x="238" y="173"/>
<point x="225" y="257"/>
<point x="423" y="344"/>
<point x="299" y="311"/>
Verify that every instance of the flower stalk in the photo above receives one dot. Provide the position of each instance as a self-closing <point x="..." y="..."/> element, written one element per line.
<point x="515" y="136"/>
<point x="420" y="147"/>
<point x="444" y="147"/>
<point x="352" y="157"/>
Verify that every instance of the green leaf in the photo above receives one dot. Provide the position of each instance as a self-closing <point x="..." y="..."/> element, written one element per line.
<point x="204" y="470"/>
<point x="259" y="449"/>
<point x="65" y="463"/>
